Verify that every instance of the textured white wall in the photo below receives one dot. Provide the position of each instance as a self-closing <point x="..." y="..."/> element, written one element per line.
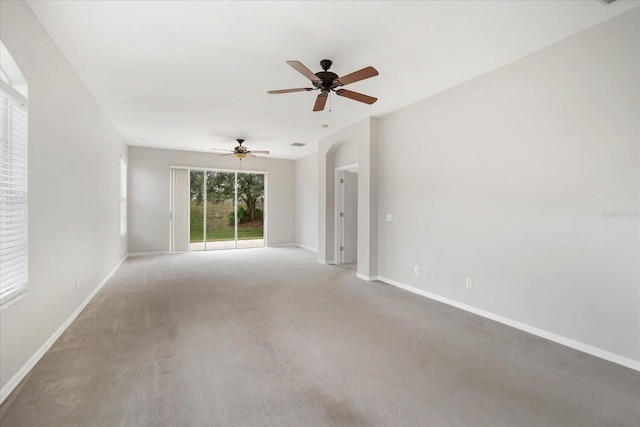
<point x="504" y="179"/>
<point x="306" y="200"/>
<point x="74" y="193"/>
<point x="345" y="154"/>
<point x="149" y="194"/>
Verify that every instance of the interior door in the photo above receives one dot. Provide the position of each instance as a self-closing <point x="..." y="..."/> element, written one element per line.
<point x="350" y="222"/>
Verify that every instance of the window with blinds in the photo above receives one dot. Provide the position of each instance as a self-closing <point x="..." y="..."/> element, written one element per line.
<point x="123" y="197"/>
<point x="13" y="193"/>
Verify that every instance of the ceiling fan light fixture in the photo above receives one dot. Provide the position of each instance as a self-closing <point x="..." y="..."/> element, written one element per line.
<point x="240" y="151"/>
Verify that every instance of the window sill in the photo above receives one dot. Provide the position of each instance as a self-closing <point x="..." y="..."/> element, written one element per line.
<point x="12" y="297"/>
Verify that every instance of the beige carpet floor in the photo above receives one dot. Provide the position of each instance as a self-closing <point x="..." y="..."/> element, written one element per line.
<point x="268" y="337"/>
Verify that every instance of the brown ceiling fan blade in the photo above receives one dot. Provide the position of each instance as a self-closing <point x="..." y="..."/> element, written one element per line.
<point x="321" y="100"/>
<point x="356" y="76"/>
<point x="299" y="67"/>
<point x="299" y="89"/>
<point x="228" y="154"/>
<point x="258" y="152"/>
<point x="356" y="96"/>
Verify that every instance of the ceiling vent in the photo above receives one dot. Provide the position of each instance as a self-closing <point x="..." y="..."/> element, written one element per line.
<point x="298" y="144"/>
<point x="607" y="1"/>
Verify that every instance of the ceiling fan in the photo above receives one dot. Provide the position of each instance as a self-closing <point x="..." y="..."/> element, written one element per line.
<point x="240" y="151"/>
<point x="328" y="82"/>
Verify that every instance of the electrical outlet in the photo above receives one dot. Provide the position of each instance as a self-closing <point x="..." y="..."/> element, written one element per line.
<point x="77" y="285"/>
<point x="416" y="270"/>
<point x="469" y="282"/>
<point x="389" y="217"/>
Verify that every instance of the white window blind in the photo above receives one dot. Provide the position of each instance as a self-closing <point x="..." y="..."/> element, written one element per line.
<point x="13" y="195"/>
<point x="123" y="197"/>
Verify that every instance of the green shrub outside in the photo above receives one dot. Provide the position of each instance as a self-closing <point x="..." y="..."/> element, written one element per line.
<point x="224" y="229"/>
<point x="243" y="216"/>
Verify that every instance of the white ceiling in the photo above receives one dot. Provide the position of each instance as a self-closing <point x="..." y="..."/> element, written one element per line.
<point x="195" y="73"/>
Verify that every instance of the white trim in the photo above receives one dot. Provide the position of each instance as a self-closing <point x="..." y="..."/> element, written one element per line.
<point x="367" y="278"/>
<point x="22" y="100"/>
<point x="19" y="294"/>
<point x="306" y="247"/>
<point x="347" y="167"/>
<point x="153" y="253"/>
<point x="577" y="345"/>
<point x="327" y="262"/>
<point x="277" y="245"/>
<point x="26" y="368"/>
<point x="13" y="75"/>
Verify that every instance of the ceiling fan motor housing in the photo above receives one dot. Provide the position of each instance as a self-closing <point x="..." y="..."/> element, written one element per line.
<point x="327" y="78"/>
<point x="240" y="149"/>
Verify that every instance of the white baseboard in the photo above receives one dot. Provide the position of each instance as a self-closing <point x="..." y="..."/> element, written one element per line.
<point x="19" y="376"/>
<point x="140" y="254"/>
<point x="367" y="278"/>
<point x="577" y="345"/>
<point x="307" y="248"/>
<point x="326" y="262"/>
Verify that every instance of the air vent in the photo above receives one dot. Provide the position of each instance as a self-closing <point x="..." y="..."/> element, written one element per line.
<point x="298" y="144"/>
<point x="607" y="1"/>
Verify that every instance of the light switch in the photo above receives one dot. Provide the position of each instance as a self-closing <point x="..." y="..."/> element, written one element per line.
<point x="389" y="217"/>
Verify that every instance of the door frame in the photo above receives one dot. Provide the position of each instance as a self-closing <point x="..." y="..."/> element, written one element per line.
<point x="339" y="201"/>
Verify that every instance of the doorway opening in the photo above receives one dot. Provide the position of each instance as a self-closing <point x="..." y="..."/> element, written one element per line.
<point x="347" y="216"/>
<point x="224" y="210"/>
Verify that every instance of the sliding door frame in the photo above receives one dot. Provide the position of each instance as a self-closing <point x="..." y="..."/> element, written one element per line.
<point x="236" y="171"/>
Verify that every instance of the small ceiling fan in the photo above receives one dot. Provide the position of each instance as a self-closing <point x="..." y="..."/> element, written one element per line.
<point x="328" y="82"/>
<point x="240" y="151"/>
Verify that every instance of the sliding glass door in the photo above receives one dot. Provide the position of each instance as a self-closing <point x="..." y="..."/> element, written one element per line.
<point x="196" y="210"/>
<point x="220" y="222"/>
<point x="250" y="211"/>
<point x="226" y="210"/>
